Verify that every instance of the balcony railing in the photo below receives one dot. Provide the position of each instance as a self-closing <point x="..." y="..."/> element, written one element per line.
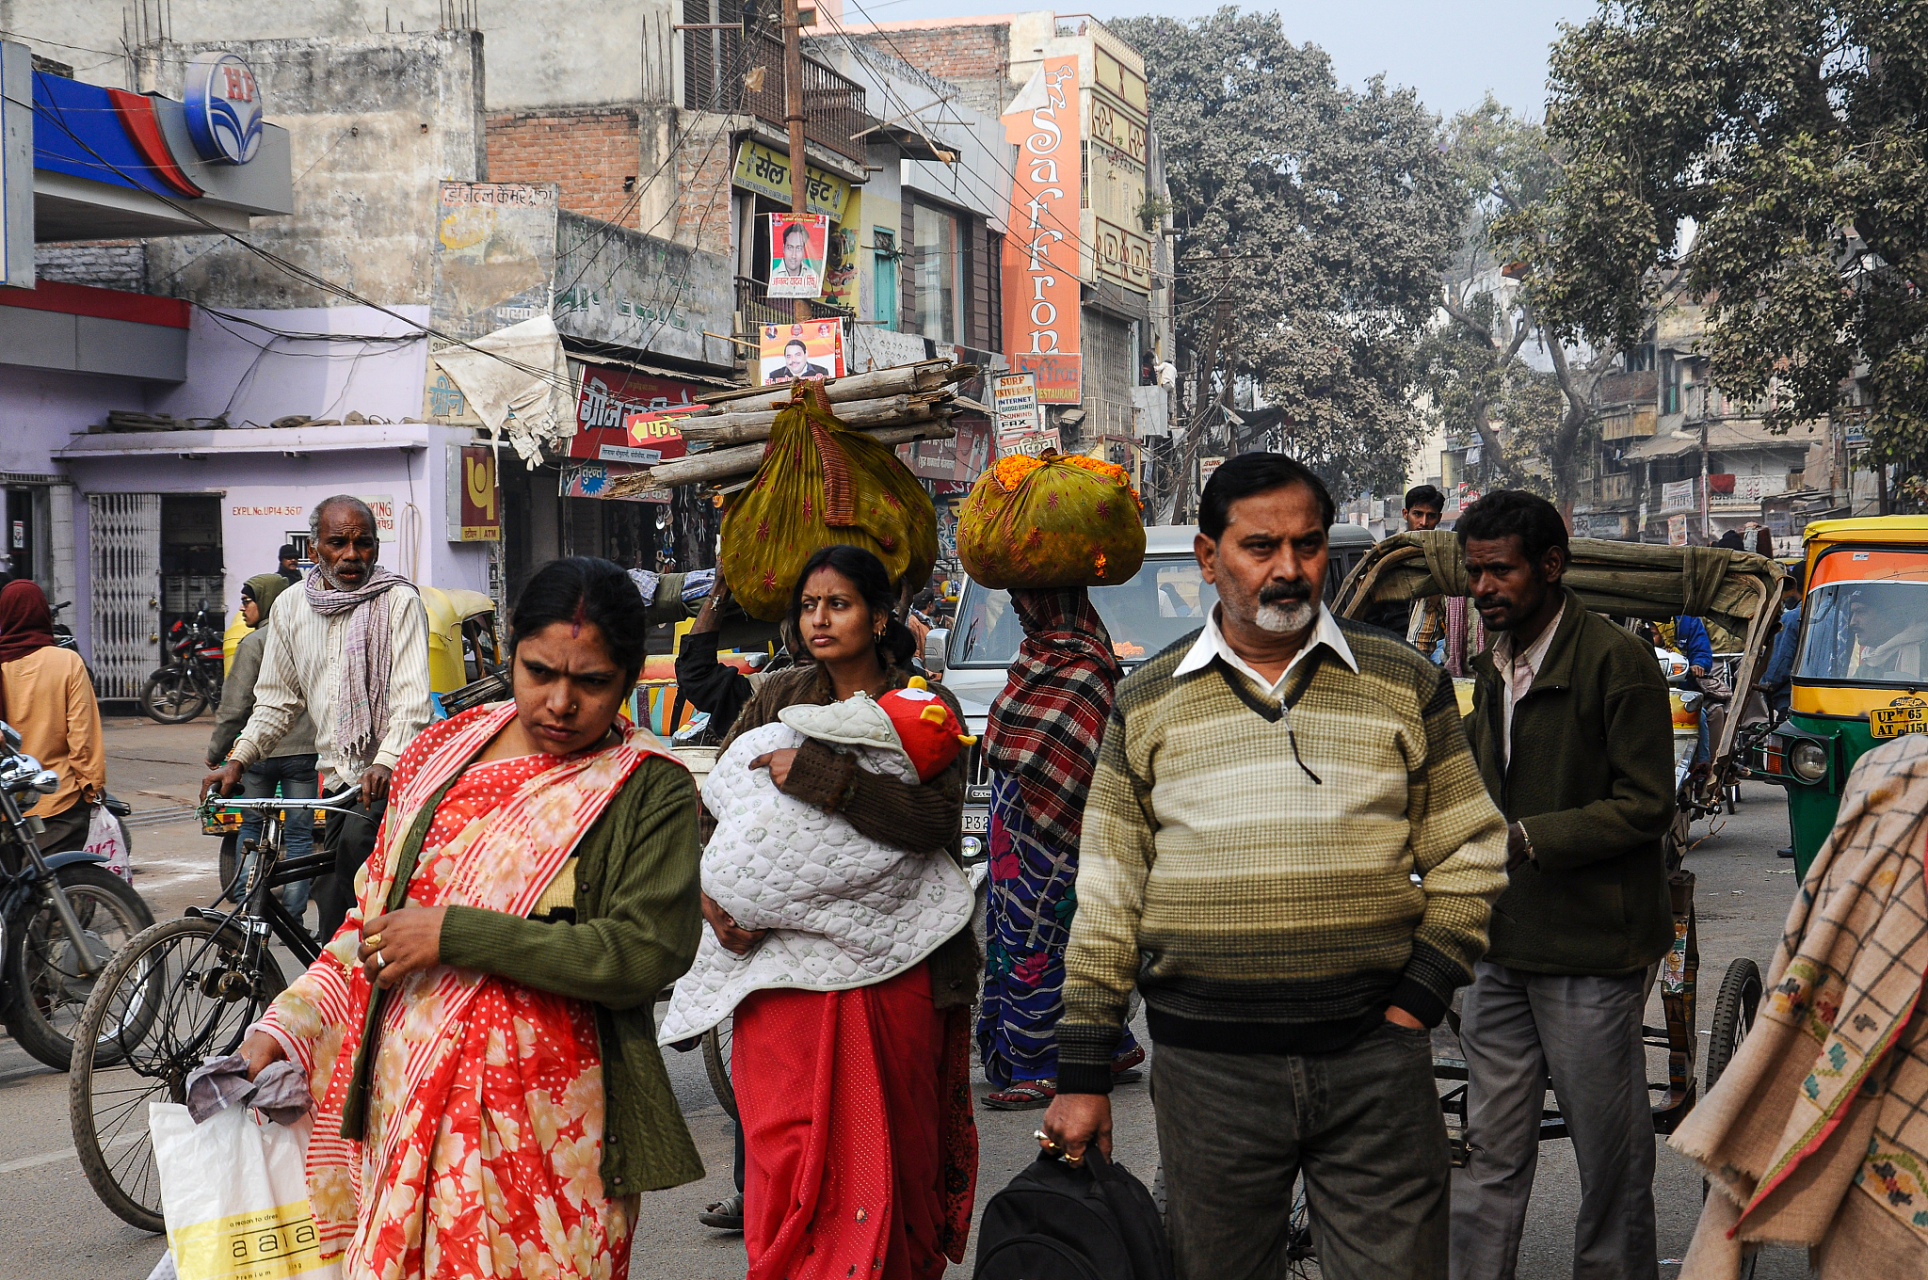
<point x="755" y="308"/>
<point x="728" y="71"/>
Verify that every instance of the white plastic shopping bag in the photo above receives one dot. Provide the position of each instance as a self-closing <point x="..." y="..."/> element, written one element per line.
<point x="106" y="837"/>
<point x="235" y="1196"/>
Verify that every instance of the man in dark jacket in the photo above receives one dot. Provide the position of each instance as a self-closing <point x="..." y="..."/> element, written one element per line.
<point x="1571" y="730"/>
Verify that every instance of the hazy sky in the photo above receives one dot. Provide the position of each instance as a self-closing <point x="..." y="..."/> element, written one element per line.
<point x="1451" y="51"/>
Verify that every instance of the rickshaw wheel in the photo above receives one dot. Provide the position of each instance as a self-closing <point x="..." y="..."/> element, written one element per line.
<point x="1740" y="997"/>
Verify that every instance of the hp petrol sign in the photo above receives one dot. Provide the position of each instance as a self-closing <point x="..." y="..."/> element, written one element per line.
<point x="223" y="108"/>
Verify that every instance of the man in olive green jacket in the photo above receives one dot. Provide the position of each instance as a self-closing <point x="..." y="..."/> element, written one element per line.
<point x="1572" y="733"/>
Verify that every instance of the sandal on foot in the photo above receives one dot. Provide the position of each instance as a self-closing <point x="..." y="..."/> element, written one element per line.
<point x="1024" y="1095"/>
<point x="724" y="1215"/>
<point x="1122" y="1071"/>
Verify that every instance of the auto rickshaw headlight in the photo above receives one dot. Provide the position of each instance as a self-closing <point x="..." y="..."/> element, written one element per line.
<point x="1809" y="760"/>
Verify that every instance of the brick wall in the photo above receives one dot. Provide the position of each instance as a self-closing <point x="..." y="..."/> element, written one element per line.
<point x="974" y="58"/>
<point x="593" y="155"/>
<point x="703" y="166"/>
<point x="105" y="264"/>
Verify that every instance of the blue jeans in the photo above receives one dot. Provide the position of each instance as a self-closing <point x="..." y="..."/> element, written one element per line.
<point x="296" y="778"/>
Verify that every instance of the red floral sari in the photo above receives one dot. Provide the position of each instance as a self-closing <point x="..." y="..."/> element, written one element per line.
<point x="483" y="1146"/>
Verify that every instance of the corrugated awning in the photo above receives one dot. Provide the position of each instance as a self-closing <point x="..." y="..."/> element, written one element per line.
<point x="1720" y="436"/>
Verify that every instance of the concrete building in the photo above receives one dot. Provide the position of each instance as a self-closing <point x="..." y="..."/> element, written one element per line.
<point x="1123" y="260"/>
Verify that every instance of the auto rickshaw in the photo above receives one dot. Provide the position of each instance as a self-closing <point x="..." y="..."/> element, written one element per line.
<point x="1735" y="591"/>
<point x="1861" y="672"/>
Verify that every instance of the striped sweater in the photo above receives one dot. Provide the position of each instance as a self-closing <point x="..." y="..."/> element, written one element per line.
<point x="1273" y="913"/>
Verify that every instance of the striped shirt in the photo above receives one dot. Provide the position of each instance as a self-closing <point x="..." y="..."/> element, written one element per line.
<point x="302" y="670"/>
<point x="1250" y="854"/>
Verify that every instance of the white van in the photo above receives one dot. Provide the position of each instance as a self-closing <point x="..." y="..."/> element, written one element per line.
<point x="1166" y="601"/>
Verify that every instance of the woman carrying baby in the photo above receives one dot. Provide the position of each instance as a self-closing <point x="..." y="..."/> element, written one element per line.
<point x="855" y="1103"/>
<point x="478" y="1038"/>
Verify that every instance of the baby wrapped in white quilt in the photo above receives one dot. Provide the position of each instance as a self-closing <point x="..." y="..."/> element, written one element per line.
<point x="843" y="910"/>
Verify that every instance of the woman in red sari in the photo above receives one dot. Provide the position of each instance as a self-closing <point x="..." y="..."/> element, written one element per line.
<point x="490" y="1100"/>
<point x="855" y="1104"/>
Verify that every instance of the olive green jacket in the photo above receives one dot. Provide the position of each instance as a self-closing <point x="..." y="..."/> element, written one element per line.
<point x="1592" y="782"/>
<point x="638" y="919"/>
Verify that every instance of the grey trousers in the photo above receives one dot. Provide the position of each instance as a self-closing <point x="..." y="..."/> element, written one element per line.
<point x="1518" y="1028"/>
<point x="1362" y="1125"/>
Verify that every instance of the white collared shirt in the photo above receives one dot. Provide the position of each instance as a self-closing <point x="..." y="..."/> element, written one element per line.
<point x="1211" y="644"/>
<point x="1517" y="674"/>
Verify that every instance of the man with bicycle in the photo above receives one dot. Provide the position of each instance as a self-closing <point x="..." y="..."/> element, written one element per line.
<point x="350" y="648"/>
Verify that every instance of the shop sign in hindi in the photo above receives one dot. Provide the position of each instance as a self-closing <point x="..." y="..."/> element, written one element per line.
<point x="475" y="508"/>
<point x="1677" y="496"/>
<point x="1015" y="398"/>
<point x="1042" y="330"/>
<point x="767" y="173"/>
<point x="1031" y="446"/>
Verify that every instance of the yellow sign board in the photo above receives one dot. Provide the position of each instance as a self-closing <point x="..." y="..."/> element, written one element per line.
<point x="767" y="172"/>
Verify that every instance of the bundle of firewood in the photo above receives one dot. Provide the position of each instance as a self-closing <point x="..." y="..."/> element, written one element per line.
<point x="727" y="439"/>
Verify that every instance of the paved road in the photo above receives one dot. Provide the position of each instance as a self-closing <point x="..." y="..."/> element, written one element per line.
<point x="53" y="1226"/>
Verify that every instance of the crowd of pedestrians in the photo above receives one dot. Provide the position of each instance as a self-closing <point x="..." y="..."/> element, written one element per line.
<point x="1279" y="834"/>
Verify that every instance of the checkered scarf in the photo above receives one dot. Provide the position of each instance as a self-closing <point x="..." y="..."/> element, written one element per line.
<point x="361" y="700"/>
<point x="1045" y="726"/>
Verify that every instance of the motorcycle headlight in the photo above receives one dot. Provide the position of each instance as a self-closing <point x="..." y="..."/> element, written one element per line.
<point x="19" y="773"/>
<point x="1808" y="760"/>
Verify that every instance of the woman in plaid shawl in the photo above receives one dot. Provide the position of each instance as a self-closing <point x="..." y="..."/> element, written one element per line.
<point x="1042" y="743"/>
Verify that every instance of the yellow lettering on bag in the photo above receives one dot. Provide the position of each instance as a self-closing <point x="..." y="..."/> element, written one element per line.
<point x="263" y="1244"/>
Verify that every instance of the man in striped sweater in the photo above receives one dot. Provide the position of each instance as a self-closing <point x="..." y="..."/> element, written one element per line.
<point x="1289" y="850"/>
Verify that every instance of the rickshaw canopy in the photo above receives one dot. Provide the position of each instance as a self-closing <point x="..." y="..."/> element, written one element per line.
<point x="1626" y="579"/>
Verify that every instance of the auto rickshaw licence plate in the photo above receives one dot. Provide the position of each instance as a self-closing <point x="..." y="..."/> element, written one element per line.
<point x="1892" y="722"/>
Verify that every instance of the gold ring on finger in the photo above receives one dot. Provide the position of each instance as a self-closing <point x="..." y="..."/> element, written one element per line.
<point x="373" y="943"/>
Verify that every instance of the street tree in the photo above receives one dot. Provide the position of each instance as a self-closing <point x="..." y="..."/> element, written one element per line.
<point x="1533" y="418"/>
<point x="1311" y="221"/>
<point x="1766" y="158"/>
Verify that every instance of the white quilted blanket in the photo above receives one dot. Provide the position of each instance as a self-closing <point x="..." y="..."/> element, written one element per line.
<point x="842" y="910"/>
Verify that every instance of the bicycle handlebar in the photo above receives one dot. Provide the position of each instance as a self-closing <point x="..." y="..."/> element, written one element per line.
<point x="336" y="802"/>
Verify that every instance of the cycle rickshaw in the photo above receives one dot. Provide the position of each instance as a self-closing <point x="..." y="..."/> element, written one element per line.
<point x="1734" y="591"/>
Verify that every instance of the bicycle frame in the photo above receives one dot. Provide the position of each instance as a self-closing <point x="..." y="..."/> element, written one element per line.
<point x="260" y="909"/>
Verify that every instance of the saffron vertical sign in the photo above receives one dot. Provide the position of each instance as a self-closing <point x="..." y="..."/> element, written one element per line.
<point x="1041" y="320"/>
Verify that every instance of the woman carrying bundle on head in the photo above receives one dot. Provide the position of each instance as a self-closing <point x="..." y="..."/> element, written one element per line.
<point x="1042" y="744"/>
<point x="854" y="1101"/>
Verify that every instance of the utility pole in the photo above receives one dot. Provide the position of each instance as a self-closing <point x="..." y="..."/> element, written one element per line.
<point x="793" y="114"/>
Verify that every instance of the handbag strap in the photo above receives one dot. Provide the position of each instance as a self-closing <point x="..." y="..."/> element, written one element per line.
<point x="354" y="1111"/>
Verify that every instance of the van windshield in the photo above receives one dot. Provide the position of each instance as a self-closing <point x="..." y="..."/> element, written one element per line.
<point x="1167" y="600"/>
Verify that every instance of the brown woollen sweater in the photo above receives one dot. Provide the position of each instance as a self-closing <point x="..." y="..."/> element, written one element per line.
<point x="922" y="819"/>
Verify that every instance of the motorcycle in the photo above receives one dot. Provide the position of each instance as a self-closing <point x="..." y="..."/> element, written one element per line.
<point x="62" y="916"/>
<point x="190" y="683"/>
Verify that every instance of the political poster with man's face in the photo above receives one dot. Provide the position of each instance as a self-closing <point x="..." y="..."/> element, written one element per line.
<point x="798" y="245"/>
<point x="813" y="349"/>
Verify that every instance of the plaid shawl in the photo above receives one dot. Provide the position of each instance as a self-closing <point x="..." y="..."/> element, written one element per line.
<point x="1817" y="1133"/>
<point x="1044" y="728"/>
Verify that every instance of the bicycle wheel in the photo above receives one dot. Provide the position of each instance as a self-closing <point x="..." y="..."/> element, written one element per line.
<point x="176" y="994"/>
<point x="716" y="1060"/>
<point x="1740" y="996"/>
<point x="45" y="988"/>
<point x="171" y="696"/>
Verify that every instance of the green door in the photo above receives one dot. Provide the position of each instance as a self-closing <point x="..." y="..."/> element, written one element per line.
<point x="885" y="262"/>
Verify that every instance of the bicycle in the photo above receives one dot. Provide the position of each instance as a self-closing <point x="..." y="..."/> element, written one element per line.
<point x="176" y="994"/>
